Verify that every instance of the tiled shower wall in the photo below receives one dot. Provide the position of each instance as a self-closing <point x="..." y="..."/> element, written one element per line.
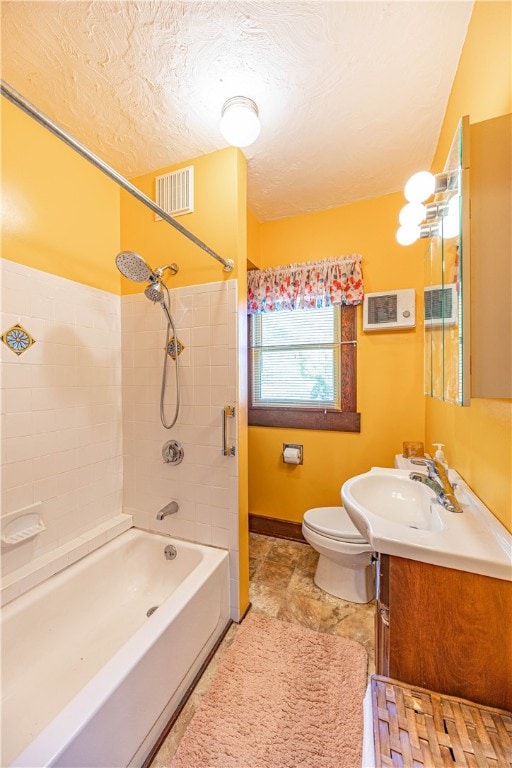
<point x="61" y="409"/>
<point x="205" y="484"/>
<point x="67" y="402"/>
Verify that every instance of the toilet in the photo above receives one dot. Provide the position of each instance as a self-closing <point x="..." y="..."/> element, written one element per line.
<point x="344" y="567"/>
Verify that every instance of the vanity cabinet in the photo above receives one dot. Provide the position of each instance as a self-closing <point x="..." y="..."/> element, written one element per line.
<point x="446" y="630"/>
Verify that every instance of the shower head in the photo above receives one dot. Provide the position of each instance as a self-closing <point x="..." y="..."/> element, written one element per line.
<point x="154" y="292"/>
<point x="133" y="266"/>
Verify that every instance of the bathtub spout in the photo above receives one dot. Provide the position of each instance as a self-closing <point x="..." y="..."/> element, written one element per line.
<point x="169" y="509"/>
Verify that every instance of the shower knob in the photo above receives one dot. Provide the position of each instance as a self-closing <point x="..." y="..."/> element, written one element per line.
<point x="172" y="452"/>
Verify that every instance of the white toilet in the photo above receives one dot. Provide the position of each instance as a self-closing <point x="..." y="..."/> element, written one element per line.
<point x="345" y="564"/>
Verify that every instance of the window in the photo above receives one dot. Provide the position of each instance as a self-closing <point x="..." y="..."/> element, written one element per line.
<point x="302" y="369"/>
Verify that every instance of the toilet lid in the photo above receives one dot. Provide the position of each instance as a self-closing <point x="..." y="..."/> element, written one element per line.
<point x="333" y="522"/>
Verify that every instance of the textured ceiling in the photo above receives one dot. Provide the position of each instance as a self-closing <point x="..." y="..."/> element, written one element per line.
<point x="351" y="94"/>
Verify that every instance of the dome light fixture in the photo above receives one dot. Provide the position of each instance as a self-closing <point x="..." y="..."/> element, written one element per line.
<point x="412" y="214"/>
<point x="419" y="187"/>
<point x="240" y="123"/>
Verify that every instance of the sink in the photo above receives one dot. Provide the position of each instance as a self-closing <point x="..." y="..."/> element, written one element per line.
<point x="400" y="516"/>
<point x="395" y="500"/>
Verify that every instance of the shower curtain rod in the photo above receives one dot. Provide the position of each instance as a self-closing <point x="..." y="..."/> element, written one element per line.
<point x="10" y="93"/>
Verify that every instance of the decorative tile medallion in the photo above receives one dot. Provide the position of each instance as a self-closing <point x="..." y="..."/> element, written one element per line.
<point x="17" y="339"/>
<point x="175" y="348"/>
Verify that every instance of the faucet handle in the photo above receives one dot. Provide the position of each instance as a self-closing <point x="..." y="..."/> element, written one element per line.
<point x="430" y="464"/>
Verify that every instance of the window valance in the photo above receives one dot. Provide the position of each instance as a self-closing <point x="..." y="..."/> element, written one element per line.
<point x="310" y="285"/>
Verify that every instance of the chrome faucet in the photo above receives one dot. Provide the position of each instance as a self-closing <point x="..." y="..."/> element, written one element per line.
<point x="437" y="480"/>
<point x="169" y="509"/>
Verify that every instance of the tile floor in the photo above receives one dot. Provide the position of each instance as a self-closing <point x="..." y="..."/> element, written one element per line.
<point x="281" y="585"/>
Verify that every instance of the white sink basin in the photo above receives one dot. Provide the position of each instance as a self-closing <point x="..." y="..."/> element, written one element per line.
<point x="400" y="516"/>
<point x="396" y="500"/>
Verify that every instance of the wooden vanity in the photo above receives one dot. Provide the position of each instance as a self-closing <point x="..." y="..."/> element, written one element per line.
<point x="446" y="630"/>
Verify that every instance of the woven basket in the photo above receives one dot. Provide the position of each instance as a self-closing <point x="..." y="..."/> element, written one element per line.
<point x="414" y="727"/>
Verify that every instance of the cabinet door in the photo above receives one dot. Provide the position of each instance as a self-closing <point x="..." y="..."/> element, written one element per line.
<point x="450" y="631"/>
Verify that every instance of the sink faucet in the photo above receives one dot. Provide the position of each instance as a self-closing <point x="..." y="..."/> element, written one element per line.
<point x="169" y="509"/>
<point x="437" y="481"/>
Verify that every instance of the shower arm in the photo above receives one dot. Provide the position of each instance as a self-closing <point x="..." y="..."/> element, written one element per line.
<point x="159" y="272"/>
<point x="16" y="98"/>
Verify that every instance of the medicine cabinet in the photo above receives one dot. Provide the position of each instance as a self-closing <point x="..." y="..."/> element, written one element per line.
<point x="468" y="275"/>
<point x="446" y="286"/>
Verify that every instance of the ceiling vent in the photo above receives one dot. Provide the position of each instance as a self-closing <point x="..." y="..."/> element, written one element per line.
<point x="175" y="192"/>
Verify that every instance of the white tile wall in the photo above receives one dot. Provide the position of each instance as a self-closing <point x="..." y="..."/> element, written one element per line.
<point x="80" y="410"/>
<point x="60" y="408"/>
<point x="205" y="484"/>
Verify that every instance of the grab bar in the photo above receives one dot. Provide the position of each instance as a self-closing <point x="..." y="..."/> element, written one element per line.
<point x="227" y="412"/>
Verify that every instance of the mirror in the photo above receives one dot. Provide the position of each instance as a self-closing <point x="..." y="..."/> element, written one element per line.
<point x="446" y="286"/>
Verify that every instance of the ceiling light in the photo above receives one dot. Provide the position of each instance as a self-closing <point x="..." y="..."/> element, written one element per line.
<point x="240" y="123"/>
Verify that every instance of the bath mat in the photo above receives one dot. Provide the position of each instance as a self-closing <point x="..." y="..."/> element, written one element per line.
<point x="283" y="697"/>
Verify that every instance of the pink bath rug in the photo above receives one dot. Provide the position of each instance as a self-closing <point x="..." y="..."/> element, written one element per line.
<point x="283" y="697"/>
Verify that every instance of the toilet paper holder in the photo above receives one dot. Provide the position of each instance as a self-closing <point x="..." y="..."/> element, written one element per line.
<point x="292" y="453"/>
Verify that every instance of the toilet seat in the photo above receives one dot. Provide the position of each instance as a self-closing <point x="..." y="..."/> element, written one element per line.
<point x="333" y="523"/>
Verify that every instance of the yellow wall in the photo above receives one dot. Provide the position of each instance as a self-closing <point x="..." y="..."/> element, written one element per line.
<point x="215" y="221"/>
<point x="253" y="241"/>
<point x="389" y="369"/>
<point x="59" y="213"/>
<point x="478" y="438"/>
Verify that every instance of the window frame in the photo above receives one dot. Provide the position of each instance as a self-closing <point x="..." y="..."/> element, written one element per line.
<point x="345" y="420"/>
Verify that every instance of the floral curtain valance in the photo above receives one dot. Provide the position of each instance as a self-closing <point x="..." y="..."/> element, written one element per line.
<point x="311" y="285"/>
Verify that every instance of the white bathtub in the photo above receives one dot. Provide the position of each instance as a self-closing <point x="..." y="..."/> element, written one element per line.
<point x="87" y="678"/>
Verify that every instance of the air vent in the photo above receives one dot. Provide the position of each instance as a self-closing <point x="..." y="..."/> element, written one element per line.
<point x="175" y="192"/>
<point x="390" y="310"/>
<point x="441" y="305"/>
<point x="382" y="309"/>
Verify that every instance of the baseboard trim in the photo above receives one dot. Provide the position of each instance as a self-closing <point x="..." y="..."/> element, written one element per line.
<point x="280" y="529"/>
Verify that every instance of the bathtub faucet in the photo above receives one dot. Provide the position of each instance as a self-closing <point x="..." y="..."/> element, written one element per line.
<point x="169" y="509"/>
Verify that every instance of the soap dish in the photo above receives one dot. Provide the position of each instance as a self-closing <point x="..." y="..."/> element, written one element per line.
<point x="22" y="524"/>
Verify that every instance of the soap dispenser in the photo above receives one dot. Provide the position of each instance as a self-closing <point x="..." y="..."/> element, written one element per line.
<point x="439" y="455"/>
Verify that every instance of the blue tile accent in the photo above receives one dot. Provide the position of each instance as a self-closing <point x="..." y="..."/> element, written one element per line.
<point x="17" y="339"/>
<point x="175" y="348"/>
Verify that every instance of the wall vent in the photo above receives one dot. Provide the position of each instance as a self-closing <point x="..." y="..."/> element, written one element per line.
<point x="175" y="192"/>
<point x="441" y="305"/>
<point x="389" y="310"/>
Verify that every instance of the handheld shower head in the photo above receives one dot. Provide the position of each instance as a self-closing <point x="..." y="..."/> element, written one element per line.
<point x="133" y="266"/>
<point x="154" y="292"/>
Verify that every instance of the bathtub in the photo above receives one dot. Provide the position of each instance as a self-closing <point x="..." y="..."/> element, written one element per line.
<point x="88" y="678"/>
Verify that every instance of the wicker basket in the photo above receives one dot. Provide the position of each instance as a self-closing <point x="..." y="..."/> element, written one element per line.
<point x="414" y="727"/>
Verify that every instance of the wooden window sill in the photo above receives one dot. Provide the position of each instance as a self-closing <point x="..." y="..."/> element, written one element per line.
<point x="300" y="418"/>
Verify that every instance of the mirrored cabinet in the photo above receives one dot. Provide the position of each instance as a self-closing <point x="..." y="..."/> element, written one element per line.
<point x="468" y="277"/>
<point x="491" y="257"/>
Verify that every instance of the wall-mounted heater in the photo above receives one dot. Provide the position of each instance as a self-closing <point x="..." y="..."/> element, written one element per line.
<point x="389" y="310"/>
<point x="441" y="305"/>
<point x="174" y="192"/>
